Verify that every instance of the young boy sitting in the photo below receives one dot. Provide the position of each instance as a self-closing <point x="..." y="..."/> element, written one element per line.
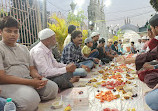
<point x="86" y="50"/>
<point x="133" y="48"/>
<point x="102" y="54"/>
<point x="19" y="78"/>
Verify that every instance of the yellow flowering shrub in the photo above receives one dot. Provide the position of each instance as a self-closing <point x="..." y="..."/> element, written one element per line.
<point x="60" y="29"/>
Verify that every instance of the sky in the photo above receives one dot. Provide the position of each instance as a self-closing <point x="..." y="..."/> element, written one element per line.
<point x="116" y="11"/>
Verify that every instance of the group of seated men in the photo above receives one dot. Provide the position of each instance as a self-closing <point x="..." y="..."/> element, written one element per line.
<point x="29" y="77"/>
<point x="147" y="65"/>
<point x="19" y="79"/>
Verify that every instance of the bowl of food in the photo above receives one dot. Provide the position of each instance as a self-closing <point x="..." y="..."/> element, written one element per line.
<point x="57" y="104"/>
<point x="112" y="64"/>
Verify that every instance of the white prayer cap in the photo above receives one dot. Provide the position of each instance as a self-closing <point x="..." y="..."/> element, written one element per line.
<point x="94" y="34"/>
<point x="88" y="40"/>
<point x="45" y="33"/>
<point x="147" y="37"/>
<point x="144" y="37"/>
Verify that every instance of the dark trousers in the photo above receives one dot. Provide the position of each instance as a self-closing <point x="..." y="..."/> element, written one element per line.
<point x="106" y="59"/>
<point x="94" y="54"/>
<point x="63" y="81"/>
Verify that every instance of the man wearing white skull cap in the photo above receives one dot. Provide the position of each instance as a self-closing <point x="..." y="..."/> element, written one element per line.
<point x="47" y="65"/>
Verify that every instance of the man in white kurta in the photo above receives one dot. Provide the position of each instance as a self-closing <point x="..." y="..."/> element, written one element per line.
<point x="47" y="65"/>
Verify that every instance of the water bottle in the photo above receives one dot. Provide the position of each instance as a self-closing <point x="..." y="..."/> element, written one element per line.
<point x="9" y="106"/>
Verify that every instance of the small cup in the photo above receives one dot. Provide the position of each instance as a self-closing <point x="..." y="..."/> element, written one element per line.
<point x="57" y="104"/>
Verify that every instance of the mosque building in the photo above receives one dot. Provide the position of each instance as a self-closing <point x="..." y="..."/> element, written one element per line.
<point x="96" y="16"/>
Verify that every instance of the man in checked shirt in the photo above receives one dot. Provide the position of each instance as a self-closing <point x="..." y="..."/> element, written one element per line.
<point x="72" y="53"/>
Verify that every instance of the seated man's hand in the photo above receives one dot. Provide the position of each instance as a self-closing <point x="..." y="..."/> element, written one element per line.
<point x="94" y="50"/>
<point x="147" y="92"/>
<point x="70" y="67"/>
<point x="116" y="55"/>
<point x="96" y="60"/>
<point x="148" y="66"/>
<point x="38" y="84"/>
<point x="39" y="77"/>
<point x="156" y="87"/>
<point x="75" y="79"/>
<point x="86" y="68"/>
<point x="120" y="59"/>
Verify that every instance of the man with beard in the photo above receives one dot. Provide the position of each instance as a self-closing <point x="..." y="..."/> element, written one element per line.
<point x="47" y="65"/>
<point x="72" y="54"/>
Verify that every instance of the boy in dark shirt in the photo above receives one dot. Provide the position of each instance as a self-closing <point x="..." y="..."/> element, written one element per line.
<point x="102" y="54"/>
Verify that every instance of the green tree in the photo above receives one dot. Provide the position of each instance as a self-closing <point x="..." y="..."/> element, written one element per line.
<point x="60" y="27"/>
<point x="154" y="4"/>
<point x="2" y="12"/>
<point x="78" y="18"/>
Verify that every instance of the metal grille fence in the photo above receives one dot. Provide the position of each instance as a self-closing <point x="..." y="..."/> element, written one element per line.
<point x="28" y="15"/>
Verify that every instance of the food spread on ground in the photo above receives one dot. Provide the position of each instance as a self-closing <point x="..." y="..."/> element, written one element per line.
<point x="112" y="87"/>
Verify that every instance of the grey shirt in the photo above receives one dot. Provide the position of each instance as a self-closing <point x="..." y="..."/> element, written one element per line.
<point x="15" y="60"/>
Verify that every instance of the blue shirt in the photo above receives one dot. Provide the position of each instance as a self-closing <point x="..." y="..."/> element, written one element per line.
<point x="109" y="50"/>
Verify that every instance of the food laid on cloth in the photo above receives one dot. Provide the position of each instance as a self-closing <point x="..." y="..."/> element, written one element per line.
<point x="117" y="76"/>
<point x="95" y="85"/>
<point x="106" y="96"/>
<point x="131" y="109"/>
<point x="93" y="80"/>
<point x="95" y="73"/>
<point x="101" y="71"/>
<point x="68" y="108"/>
<point x="112" y="64"/>
<point x="108" y="109"/>
<point x="128" y="82"/>
<point x="129" y="55"/>
<point x="111" y="84"/>
<point x="127" y="95"/>
<point x="82" y="85"/>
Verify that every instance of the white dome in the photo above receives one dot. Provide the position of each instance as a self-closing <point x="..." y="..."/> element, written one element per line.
<point x="130" y="27"/>
<point x="131" y="35"/>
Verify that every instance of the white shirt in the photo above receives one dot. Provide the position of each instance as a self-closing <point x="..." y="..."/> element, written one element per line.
<point x="139" y="46"/>
<point x="45" y="62"/>
<point x="67" y="40"/>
